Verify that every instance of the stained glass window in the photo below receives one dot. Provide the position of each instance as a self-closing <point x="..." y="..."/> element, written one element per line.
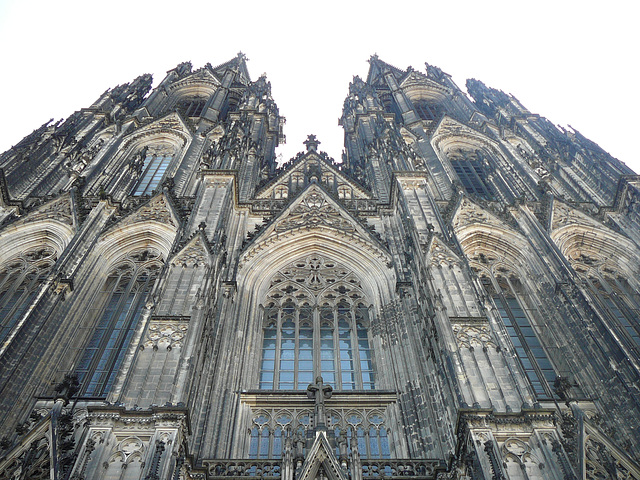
<point x="536" y="364"/>
<point x="301" y="342"/>
<point x="471" y="169"/>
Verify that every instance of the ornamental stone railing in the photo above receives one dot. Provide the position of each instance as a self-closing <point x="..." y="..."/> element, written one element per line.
<point x="242" y="468"/>
<point x="401" y="468"/>
<point x="371" y="469"/>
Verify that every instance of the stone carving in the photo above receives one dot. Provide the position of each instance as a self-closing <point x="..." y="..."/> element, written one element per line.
<point x="165" y="334"/>
<point x="193" y="254"/>
<point x="156" y="210"/>
<point x="78" y="160"/>
<point x="600" y="463"/>
<point x="474" y="336"/>
<point x="314" y="276"/>
<point x="469" y="213"/>
<point x="59" y="209"/>
<point x="440" y="254"/>
<point x="314" y="211"/>
<point x="319" y="392"/>
<point x="127" y="450"/>
<point x="32" y="463"/>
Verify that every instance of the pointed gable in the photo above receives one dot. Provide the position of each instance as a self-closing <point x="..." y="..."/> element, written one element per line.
<point x="449" y="129"/>
<point x="563" y="215"/>
<point x="321" y="458"/>
<point x="59" y="209"/>
<point x="157" y="209"/>
<point x="239" y="62"/>
<point x="439" y="253"/>
<point x="314" y="208"/>
<point x="195" y="253"/>
<point x="415" y="79"/>
<point x="470" y="213"/>
<point x="588" y="243"/>
<point x="315" y="212"/>
<point x="172" y="124"/>
<point x="202" y="76"/>
<point x="377" y="69"/>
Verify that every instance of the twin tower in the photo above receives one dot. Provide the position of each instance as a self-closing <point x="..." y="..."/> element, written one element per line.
<point x="457" y="298"/>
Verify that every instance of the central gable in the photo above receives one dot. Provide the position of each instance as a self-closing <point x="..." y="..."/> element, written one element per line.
<point x="314" y="209"/>
<point x="315" y="223"/>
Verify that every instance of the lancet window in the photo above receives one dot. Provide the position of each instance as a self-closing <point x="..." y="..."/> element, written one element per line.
<point x="120" y="302"/>
<point x="316" y="323"/>
<point x="622" y="302"/>
<point x="20" y="278"/>
<point x="156" y="162"/>
<point x="528" y="348"/>
<point x="192" y="107"/>
<point x="471" y="168"/>
<point x="613" y="294"/>
<point x="364" y="428"/>
<point x="427" y="110"/>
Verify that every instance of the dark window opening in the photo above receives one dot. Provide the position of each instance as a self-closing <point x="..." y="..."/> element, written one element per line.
<point x="427" y="110"/>
<point x="472" y="172"/>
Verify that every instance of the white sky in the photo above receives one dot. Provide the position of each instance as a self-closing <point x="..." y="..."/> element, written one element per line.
<point x="575" y="62"/>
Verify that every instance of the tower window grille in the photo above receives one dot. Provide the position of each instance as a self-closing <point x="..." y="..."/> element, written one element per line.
<point x="122" y="298"/>
<point x="616" y="297"/>
<point x="20" y="278"/>
<point x="316" y="324"/>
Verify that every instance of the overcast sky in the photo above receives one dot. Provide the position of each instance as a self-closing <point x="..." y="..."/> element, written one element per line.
<point x="575" y="62"/>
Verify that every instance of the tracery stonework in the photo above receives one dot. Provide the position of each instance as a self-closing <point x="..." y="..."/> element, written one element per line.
<point x="165" y="334"/>
<point x="316" y="273"/>
<point x="453" y="296"/>
<point x="314" y="211"/>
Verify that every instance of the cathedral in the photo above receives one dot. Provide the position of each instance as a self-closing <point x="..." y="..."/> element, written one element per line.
<point x="457" y="296"/>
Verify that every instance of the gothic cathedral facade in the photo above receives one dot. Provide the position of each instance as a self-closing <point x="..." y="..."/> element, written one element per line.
<point x="457" y="297"/>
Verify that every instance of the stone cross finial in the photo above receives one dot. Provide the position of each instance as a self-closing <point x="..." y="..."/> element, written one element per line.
<point x="320" y="392"/>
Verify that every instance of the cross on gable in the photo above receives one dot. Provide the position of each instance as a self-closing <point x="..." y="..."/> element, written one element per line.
<point x="320" y="392"/>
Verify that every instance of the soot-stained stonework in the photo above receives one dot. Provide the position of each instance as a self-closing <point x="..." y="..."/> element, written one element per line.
<point x="457" y="297"/>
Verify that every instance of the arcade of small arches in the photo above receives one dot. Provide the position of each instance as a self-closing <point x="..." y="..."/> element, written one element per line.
<point x="366" y="428"/>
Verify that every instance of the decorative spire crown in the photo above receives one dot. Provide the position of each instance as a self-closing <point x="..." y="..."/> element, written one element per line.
<point x="312" y="143"/>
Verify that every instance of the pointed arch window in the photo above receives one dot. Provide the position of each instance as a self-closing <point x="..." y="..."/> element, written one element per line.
<point x="472" y="170"/>
<point x="527" y="346"/>
<point x="620" y="300"/>
<point x="20" y="279"/>
<point x="192" y="107"/>
<point x="316" y="323"/>
<point x="122" y="297"/>
<point x="427" y="110"/>
<point x="153" y="168"/>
